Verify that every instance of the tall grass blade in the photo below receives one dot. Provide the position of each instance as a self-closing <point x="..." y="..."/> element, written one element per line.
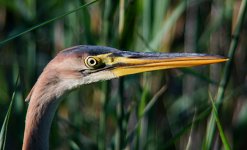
<point x="4" y="130"/>
<point x="108" y="12"/>
<point x="198" y="75"/>
<point x="121" y="18"/>
<point x="45" y="23"/>
<point x="217" y="120"/>
<point x="145" y="111"/>
<point x="121" y="120"/>
<point x="197" y="120"/>
<point x="168" y="25"/>
<point x="188" y="146"/>
<point x="153" y="100"/>
<point x="226" y="72"/>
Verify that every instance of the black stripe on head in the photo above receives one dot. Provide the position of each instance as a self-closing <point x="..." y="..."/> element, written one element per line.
<point x="89" y="49"/>
<point x="98" y="50"/>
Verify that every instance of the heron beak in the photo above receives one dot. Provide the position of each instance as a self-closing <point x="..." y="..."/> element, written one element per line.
<point x="127" y="63"/>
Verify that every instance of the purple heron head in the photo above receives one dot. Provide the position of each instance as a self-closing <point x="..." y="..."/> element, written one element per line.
<point x="85" y="64"/>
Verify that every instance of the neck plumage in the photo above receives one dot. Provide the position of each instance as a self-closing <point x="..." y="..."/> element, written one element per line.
<point x="42" y="106"/>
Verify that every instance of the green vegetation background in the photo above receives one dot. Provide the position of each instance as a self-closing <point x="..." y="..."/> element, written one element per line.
<point x="168" y="109"/>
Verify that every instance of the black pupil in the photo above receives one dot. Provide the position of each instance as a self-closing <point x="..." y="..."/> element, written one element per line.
<point x="92" y="62"/>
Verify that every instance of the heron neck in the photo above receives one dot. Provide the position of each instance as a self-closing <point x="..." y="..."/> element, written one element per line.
<point x="41" y="110"/>
<point x="38" y="123"/>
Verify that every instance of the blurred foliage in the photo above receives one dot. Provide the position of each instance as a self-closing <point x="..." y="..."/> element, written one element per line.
<point x="159" y="110"/>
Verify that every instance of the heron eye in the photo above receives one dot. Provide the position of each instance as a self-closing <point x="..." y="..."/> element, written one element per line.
<point x="92" y="63"/>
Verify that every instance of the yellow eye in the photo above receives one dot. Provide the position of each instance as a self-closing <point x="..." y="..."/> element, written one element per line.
<point x="92" y="63"/>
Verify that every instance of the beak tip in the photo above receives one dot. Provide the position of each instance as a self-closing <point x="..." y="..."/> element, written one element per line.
<point x="224" y="59"/>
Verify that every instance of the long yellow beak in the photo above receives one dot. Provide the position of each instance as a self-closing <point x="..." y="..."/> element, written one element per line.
<point x="127" y="63"/>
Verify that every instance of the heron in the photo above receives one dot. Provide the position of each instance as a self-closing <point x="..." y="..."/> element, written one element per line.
<point x="85" y="64"/>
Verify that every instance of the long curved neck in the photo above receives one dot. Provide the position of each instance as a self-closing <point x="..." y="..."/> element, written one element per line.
<point x="38" y="123"/>
<point x="42" y="106"/>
